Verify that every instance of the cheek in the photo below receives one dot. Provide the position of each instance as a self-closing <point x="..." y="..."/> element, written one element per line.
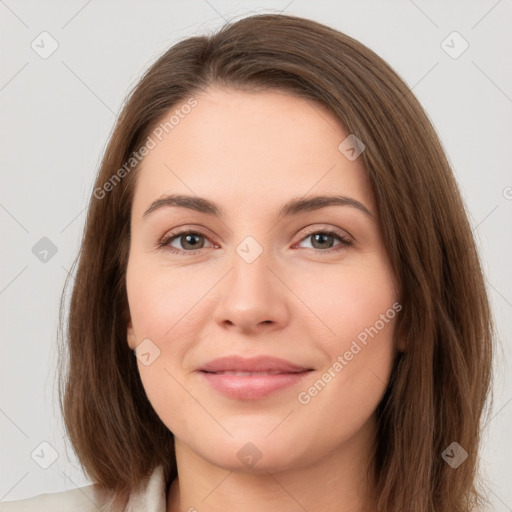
<point x="349" y="299"/>
<point x="161" y="301"/>
<point x="359" y="306"/>
<point x="165" y="308"/>
<point x="346" y="393"/>
<point x="161" y="307"/>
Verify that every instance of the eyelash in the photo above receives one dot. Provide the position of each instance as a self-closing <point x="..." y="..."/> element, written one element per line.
<point x="345" y="242"/>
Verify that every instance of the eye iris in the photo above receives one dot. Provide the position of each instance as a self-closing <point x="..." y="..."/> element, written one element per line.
<point x="187" y="238"/>
<point x="322" y="237"/>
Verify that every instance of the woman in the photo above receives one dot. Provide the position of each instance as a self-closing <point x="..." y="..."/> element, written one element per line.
<point x="220" y="358"/>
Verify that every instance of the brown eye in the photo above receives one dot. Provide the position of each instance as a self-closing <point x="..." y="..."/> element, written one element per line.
<point x="323" y="241"/>
<point x="189" y="241"/>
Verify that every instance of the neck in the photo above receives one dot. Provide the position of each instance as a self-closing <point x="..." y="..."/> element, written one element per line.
<point x="337" y="482"/>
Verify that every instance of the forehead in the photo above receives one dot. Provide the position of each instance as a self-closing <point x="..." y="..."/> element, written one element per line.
<point x="242" y="147"/>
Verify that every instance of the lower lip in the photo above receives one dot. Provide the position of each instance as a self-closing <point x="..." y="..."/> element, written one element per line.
<point x="252" y="387"/>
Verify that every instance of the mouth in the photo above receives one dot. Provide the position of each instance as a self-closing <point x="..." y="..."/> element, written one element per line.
<point x="249" y="374"/>
<point x="259" y="364"/>
<point x="252" y="379"/>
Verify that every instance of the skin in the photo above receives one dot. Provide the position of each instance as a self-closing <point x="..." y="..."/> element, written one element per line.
<point x="251" y="153"/>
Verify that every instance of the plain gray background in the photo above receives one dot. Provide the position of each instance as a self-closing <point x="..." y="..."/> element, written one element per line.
<point x="57" y="113"/>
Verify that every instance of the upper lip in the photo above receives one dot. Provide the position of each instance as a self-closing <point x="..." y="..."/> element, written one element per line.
<point x="252" y="364"/>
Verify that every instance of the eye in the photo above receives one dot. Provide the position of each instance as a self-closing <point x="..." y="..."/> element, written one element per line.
<point x="186" y="238"/>
<point x="190" y="241"/>
<point x="322" y="241"/>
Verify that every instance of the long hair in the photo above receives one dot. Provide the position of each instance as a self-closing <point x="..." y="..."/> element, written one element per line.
<point x="439" y="383"/>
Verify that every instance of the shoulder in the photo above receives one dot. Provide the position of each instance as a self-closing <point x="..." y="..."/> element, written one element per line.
<point x="149" y="497"/>
<point x="90" y="498"/>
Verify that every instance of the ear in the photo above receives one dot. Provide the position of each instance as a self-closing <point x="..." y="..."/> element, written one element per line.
<point x="130" y="335"/>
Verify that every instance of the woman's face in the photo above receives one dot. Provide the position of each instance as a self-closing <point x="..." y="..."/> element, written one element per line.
<point x="309" y="291"/>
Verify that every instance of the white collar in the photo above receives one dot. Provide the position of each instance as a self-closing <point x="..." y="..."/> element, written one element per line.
<point x="149" y="497"/>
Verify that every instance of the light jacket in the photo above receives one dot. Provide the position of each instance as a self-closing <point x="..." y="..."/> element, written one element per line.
<point x="93" y="498"/>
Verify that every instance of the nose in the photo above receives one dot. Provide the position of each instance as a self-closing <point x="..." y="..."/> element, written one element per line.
<point x="253" y="297"/>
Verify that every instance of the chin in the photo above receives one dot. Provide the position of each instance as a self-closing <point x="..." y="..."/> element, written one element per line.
<point x="250" y="451"/>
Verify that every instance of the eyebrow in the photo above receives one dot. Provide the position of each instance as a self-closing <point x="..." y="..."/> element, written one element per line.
<point x="293" y="207"/>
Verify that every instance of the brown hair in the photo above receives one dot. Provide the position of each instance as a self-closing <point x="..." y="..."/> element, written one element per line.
<point x="439" y="384"/>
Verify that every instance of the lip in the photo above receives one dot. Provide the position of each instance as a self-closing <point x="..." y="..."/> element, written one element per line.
<point x="252" y="378"/>
<point x="236" y="363"/>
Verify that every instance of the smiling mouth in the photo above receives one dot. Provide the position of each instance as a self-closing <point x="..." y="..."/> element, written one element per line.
<point x="243" y="385"/>
<point x="249" y="374"/>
